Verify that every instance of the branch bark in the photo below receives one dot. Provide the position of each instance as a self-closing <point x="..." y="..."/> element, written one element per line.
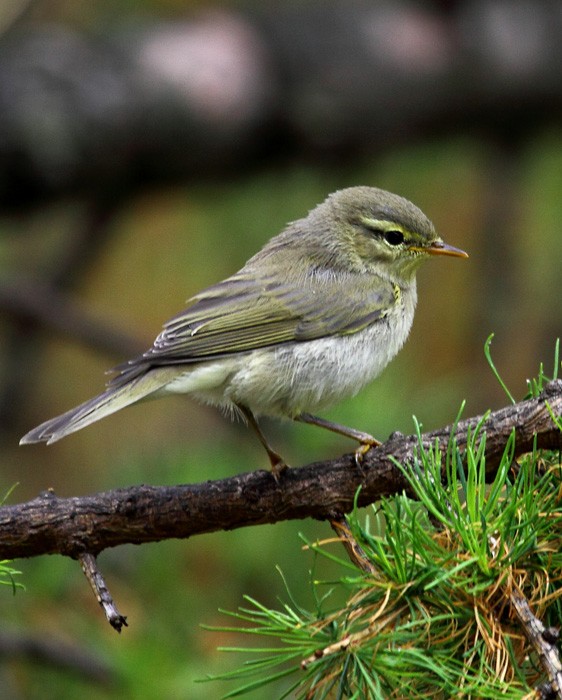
<point x="73" y="526"/>
<point x="544" y="642"/>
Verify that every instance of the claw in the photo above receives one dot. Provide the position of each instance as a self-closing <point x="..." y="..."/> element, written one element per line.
<point x="278" y="467"/>
<point x="362" y="450"/>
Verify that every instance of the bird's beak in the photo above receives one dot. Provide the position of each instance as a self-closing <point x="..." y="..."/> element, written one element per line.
<point x="440" y="248"/>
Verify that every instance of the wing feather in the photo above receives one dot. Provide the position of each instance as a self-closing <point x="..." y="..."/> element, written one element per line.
<point x="243" y="313"/>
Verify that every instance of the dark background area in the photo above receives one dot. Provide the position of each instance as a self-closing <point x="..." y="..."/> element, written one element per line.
<point x="147" y="149"/>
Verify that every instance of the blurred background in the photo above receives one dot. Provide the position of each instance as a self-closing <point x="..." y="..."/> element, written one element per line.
<point x="147" y="149"/>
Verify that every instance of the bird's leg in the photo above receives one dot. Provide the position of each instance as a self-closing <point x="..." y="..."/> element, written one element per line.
<point x="365" y="439"/>
<point x="278" y="464"/>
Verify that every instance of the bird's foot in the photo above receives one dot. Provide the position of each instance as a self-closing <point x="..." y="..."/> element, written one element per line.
<point x="278" y="465"/>
<point x="367" y="442"/>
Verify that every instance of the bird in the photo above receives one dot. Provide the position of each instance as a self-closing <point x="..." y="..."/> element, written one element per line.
<point x="310" y="319"/>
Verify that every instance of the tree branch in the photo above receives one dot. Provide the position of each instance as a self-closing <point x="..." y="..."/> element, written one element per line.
<point x="544" y="642"/>
<point x="72" y="526"/>
<point x="101" y="591"/>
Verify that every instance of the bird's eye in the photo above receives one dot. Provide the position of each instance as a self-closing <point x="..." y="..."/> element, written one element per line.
<point x="394" y="237"/>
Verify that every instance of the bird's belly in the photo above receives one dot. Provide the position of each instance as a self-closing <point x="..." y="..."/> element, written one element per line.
<point x="308" y="376"/>
<point x="301" y="377"/>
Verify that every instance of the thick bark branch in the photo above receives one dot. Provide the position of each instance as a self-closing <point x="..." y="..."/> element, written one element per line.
<point x="72" y="526"/>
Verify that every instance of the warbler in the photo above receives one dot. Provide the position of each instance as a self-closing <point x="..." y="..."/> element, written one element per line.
<point x="313" y="317"/>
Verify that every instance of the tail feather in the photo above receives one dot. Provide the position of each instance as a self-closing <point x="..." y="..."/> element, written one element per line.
<point x="112" y="400"/>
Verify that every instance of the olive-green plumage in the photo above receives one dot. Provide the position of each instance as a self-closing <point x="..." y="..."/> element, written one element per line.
<point x="311" y="318"/>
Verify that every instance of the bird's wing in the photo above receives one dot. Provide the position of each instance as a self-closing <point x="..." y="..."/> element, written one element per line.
<point x="242" y="314"/>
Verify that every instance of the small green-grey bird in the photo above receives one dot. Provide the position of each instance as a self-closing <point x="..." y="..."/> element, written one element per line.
<point x="313" y="317"/>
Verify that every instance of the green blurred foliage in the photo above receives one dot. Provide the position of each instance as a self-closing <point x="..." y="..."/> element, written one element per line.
<point x="83" y="14"/>
<point x="167" y="245"/>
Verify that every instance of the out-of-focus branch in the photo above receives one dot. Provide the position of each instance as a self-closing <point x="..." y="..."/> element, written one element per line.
<point x="34" y="307"/>
<point x="37" y="303"/>
<point x="227" y="91"/>
<point x="56" y="653"/>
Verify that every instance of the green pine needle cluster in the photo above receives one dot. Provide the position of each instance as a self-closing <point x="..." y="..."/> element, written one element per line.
<point x="435" y="617"/>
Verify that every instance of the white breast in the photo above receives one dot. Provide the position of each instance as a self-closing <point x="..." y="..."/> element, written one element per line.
<point x="306" y="377"/>
<point x="302" y="377"/>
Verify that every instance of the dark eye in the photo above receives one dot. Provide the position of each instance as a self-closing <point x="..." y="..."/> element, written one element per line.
<point x="394" y="237"/>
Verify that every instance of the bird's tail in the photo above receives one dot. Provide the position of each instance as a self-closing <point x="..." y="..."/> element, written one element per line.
<point x="113" y="399"/>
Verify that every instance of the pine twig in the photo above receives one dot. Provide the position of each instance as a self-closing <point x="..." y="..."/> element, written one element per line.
<point x="101" y="591"/>
<point x="543" y="640"/>
<point x="354" y="550"/>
